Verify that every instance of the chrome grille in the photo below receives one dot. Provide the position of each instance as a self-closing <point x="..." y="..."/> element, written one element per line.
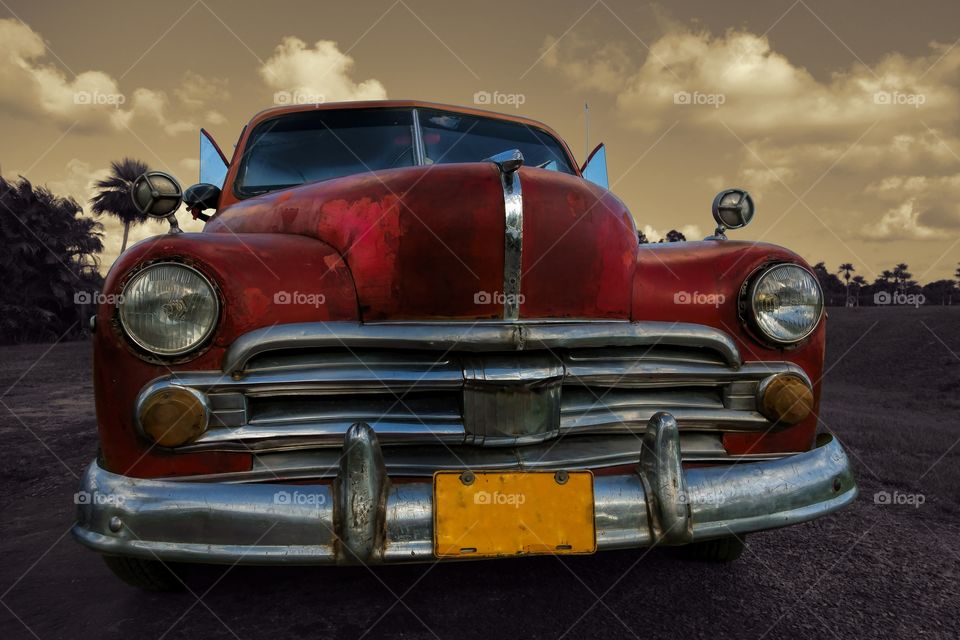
<point x="497" y="392"/>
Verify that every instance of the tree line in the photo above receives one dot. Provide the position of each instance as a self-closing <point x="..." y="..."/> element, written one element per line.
<point x="894" y="286"/>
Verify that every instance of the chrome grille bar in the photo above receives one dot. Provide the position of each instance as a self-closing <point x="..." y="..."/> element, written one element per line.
<point x="476" y="337"/>
<point x="588" y="452"/>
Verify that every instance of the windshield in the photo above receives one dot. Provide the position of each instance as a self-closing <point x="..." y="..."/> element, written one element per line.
<point x="310" y="146"/>
<point x="319" y="145"/>
<point x="456" y="137"/>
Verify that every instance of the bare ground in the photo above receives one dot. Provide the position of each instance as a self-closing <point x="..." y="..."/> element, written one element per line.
<point x="892" y="395"/>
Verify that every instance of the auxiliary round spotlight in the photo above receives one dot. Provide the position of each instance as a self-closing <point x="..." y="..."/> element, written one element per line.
<point x="172" y="416"/>
<point x="785" y="398"/>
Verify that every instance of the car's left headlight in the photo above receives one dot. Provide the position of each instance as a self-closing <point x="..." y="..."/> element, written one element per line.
<point x="169" y="309"/>
<point x="785" y="303"/>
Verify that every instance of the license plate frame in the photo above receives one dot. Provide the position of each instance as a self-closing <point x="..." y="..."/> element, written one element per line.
<point x="481" y="514"/>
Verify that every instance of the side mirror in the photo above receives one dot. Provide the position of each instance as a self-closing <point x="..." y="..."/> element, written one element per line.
<point x="201" y="196"/>
<point x="156" y="194"/>
<point x="732" y="209"/>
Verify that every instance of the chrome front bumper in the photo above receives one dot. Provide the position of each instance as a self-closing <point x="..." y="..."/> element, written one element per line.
<point x="363" y="517"/>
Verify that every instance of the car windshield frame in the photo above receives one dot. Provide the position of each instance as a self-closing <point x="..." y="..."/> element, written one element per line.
<point x="561" y="160"/>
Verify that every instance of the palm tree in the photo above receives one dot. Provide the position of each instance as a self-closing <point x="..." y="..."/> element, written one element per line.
<point x="846" y="269"/>
<point x="859" y="283"/>
<point x="901" y="275"/>
<point x="113" y="196"/>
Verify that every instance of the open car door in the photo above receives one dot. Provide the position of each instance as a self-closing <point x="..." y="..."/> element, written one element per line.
<point x="595" y="168"/>
<point x="213" y="164"/>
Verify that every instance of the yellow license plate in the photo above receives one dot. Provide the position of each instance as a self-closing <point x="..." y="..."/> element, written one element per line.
<point x="483" y="514"/>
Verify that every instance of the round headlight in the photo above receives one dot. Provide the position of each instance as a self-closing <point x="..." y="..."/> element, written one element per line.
<point x="169" y="309"/>
<point x="786" y="303"/>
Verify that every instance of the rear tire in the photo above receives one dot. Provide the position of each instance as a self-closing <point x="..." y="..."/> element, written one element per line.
<point x="719" y="550"/>
<point x="150" y="575"/>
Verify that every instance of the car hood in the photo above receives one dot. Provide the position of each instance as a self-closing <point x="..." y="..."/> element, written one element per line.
<point x="428" y="242"/>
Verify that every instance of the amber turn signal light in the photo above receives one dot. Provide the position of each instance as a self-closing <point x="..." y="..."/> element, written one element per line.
<point x="785" y="399"/>
<point x="173" y="416"/>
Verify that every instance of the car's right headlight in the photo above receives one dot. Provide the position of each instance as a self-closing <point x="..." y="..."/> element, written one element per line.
<point x="785" y="303"/>
<point x="169" y="309"/>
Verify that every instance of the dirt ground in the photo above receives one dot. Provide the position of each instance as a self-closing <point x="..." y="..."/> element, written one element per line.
<point x="881" y="568"/>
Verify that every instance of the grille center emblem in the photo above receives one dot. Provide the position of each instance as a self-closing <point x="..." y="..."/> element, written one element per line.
<point x="509" y="399"/>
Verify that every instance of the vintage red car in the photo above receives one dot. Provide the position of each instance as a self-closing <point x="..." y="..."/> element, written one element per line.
<point x="412" y="332"/>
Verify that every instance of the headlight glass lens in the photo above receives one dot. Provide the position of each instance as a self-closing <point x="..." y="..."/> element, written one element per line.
<point x="787" y="303"/>
<point x="168" y="309"/>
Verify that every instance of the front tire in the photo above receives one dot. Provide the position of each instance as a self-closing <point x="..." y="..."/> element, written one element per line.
<point x="150" y="575"/>
<point x="721" y="550"/>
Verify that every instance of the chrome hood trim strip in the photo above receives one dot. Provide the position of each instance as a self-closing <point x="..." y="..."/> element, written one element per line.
<point x="509" y="163"/>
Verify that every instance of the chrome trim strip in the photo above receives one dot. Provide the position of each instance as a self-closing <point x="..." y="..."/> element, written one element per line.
<point x="463" y="336"/>
<point x="587" y="452"/>
<point x="509" y="163"/>
<point x="311" y="435"/>
<point x="309" y="524"/>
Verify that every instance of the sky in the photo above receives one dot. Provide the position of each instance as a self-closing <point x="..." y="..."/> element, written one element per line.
<point x="842" y="119"/>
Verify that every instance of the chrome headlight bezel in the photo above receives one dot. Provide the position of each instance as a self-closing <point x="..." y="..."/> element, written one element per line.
<point x="753" y="313"/>
<point x="152" y="350"/>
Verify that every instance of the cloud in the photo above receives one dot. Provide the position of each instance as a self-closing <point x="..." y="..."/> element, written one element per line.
<point x="315" y="74"/>
<point x="882" y="138"/>
<point x="603" y="69"/>
<point x="738" y="78"/>
<point x="197" y="91"/>
<point x="689" y="231"/>
<point x="151" y="106"/>
<point x="77" y="181"/>
<point x="91" y="101"/>
<point x="920" y="207"/>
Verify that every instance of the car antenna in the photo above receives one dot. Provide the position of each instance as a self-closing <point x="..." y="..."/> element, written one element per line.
<point x="586" y="130"/>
